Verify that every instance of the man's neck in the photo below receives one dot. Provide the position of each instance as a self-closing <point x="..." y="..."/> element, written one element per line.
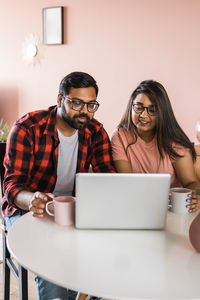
<point x="63" y="127"/>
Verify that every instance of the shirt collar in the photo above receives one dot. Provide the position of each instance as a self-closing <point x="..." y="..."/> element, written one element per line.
<point x="51" y="128"/>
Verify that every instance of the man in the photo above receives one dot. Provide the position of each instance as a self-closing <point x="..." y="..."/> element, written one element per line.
<point x="47" y="148"/>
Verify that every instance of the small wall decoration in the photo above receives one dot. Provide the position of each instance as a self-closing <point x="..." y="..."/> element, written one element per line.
<point x="52" y="20"/>
<point x="30" y="49"/>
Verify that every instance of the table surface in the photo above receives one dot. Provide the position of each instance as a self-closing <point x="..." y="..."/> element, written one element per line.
<point x="119" y="264"/>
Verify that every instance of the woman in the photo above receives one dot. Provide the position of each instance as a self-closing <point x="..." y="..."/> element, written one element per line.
<point x="197" y="162"/>
<point x="149" y="139"/>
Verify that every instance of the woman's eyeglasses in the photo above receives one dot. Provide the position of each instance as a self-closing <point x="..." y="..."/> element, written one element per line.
<point x="151" y="110"/>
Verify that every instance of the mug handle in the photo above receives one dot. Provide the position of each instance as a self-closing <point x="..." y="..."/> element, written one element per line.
<point x="47" y="208"/>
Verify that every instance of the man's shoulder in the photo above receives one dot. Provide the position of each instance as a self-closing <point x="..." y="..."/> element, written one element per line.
<point x="35" y="118"/>
<point x="94" y="126"/>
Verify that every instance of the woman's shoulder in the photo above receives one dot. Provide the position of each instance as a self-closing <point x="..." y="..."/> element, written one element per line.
<point x="121" y="134"/>
<point x="179" y="149"/>
<point x="197" y="149"/>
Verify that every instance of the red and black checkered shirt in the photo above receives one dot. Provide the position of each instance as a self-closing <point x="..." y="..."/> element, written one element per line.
<point x="32" y="155"/>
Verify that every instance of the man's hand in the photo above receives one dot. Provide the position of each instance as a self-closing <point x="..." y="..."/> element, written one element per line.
<point x="38" y="203"/>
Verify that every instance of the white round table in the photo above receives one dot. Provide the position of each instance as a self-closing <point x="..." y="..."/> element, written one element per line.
<point x="117" y="264"/>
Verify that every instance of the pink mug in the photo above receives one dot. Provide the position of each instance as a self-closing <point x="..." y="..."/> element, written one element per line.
<point x="64" y="210"/>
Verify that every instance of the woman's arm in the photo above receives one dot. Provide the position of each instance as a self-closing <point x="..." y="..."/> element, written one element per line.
<point x="122" y="166"/>
<point x="197" y="162"/>
<point x="185" y="172"/>
<point x="121" y="162"/>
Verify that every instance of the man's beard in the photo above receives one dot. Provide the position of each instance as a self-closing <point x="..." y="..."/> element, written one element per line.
<point x="74" y="122"/>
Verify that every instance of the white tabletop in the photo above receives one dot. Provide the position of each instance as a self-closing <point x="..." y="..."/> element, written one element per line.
<point x="110" y="263"/>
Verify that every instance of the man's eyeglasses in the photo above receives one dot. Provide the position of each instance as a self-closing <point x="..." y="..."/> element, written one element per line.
<point x="78" y="104"/>
<point x="151" y="110"/>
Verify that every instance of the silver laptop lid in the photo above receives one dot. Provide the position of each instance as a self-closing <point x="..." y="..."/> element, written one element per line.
<point x="121" y="201"/>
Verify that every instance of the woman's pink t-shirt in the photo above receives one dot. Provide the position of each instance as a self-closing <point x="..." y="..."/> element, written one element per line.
<point x="144" y="157"/>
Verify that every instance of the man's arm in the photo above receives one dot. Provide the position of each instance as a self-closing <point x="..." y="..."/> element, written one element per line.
<point x="102" y="161"/>
<point x="18" y="163"/>
<point x="34" y="202"/>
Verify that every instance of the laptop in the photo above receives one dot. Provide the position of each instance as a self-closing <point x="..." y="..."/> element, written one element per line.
<point x="121" y="201"/>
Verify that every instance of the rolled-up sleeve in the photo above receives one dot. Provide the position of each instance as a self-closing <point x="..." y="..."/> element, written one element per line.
<point x="17" y="162"/>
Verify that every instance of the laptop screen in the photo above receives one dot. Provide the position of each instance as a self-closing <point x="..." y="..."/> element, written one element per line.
<point x="121" y="201"/>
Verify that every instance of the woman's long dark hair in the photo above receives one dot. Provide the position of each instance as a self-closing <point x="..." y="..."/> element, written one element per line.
<point x="168" y="130"/>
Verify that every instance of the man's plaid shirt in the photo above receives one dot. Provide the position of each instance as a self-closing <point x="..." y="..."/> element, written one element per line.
<point x="32" y="155"/>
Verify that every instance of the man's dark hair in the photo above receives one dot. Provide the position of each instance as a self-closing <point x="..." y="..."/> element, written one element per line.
<point x="77" y="80"/>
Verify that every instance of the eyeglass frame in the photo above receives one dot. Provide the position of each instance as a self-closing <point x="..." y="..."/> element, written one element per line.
<point x="83" y="103"/>
<point x="143" y="108"/>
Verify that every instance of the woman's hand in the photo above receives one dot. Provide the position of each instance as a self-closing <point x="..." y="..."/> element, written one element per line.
<point x="194" y="202"/>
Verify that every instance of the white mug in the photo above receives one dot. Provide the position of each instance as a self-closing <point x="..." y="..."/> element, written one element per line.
<point x="64" y="210"/>
<point x="178" y="197"/>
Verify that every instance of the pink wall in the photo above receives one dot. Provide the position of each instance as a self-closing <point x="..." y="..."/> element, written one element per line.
<point x="119" y="42"/>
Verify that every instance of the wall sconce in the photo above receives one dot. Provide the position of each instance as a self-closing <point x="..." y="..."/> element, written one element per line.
<point x="30" y="49"/>
<point x="197" y="130"/>
<point x="52" y="20"/>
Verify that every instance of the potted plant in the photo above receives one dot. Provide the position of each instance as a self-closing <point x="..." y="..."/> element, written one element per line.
<point x="4" y="131"/>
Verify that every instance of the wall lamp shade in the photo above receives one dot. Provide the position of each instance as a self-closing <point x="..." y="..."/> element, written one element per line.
<point x="30" y="49"/>
<point x="52" y="20"/>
